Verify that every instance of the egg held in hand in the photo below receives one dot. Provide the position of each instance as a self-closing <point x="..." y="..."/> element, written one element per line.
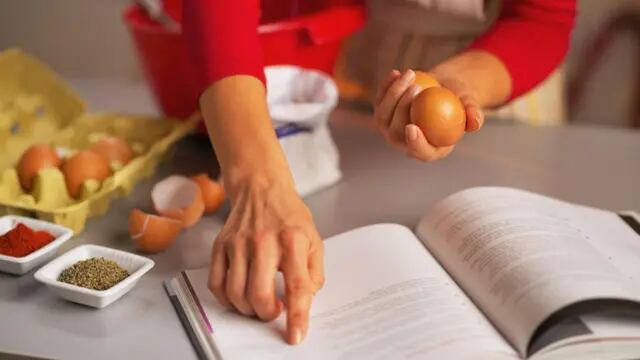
<point x="34" y="159"/>
<point x="425" y="80"/>
<point x="84" y="165"/>
<point x="440" y="115"/>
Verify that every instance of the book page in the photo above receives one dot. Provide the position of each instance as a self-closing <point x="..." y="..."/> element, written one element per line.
<point x="598" y="336"/>
<point x="522" y="256"/>
<point x="385" y="297"/>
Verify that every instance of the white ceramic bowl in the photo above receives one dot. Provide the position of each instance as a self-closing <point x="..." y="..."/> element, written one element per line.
<point x="21" y="265"/>
<point x="136" y="266"/>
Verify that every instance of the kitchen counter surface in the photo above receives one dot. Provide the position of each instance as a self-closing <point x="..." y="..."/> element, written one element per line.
<point x="595" y="166"/>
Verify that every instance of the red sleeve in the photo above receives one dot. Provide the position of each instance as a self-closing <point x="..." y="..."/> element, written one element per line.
<point x="530" y="37"/>
<point x="222" y="36"/>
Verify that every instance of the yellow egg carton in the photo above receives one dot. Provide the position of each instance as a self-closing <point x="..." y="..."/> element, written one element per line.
<point x="36" y="106"/>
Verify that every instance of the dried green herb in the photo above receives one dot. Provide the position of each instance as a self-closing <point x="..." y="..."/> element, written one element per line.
<point x="94" y="273"/>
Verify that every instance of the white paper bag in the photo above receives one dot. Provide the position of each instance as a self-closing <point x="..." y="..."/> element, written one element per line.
<point x="300" y="102"/>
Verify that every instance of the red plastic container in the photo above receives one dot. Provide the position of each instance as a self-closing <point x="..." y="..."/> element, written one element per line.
<point x="297" y="32"/>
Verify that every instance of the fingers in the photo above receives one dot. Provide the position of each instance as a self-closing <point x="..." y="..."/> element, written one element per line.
<point x="384" y="110"/>
<point x="419" y="147"/>
<point x="401" y="115"/>
<point x="475" y="117"/>
<point x="261" y="291"/>
<point x="236" y="281"/>
<point x="298" y="284"/>
<point x="384" y="86"/>
<point x="218" y="273"/>
<point x="316" y="266"/>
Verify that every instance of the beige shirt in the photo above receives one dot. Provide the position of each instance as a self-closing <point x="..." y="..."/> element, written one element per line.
<point x="419" y="34"/>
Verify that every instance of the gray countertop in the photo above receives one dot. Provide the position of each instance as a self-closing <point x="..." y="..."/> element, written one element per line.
<point x="594" y="166"/>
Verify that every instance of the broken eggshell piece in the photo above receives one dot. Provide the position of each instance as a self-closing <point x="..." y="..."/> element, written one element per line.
<point x="180" y="198"/>
<point x="152" y="233"/>
<point x="212" y="192"/>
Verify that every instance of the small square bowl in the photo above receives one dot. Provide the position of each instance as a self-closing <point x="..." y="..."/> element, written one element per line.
<point x="136" y="266"/>
<point x="21" y="265"/>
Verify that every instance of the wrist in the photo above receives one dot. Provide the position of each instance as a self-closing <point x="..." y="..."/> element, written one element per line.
<point x="256" y="164"/>
<point x="235" y="112"/>
<point x="454" y="72"/>
<point x="241" y="180"/>
<point x="482" y="73"/>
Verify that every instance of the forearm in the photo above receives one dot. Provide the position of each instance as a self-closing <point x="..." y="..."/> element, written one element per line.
<point x="222" y="38"/>
<point x="269" y="228"/>
<point x="531" y="38"/>
<point x="238" y="123"/>
<point x="483" y="73"/>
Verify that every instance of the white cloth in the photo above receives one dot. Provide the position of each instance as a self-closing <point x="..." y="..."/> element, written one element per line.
<point x="300" y="102"/>
<point x="473" y="9"/>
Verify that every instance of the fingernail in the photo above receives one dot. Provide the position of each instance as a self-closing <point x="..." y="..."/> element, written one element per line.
<point x="297" y="336"/>
<point x="411" y="74"/>
<point x="473" y="123"/>
<point x="412" y="133"/>
<point x="476" y="120"/>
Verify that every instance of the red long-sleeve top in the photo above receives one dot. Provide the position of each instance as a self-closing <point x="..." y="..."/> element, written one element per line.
<point x="530" y="37"/>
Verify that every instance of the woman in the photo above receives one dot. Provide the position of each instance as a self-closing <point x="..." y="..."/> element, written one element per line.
<point x="270" y="229"/>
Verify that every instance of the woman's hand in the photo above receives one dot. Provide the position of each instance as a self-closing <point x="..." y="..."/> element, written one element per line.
<point x="391" y="113"/>
<point x="477" y="77"/>
<point x="269" y="230"/>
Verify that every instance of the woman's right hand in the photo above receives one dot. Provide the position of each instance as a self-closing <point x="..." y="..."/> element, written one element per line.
<point x="269" y="229"/>
<point x="392" y="113"/>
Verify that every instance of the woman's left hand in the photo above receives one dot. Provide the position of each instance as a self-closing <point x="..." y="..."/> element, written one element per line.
<point x="391" y="113"/>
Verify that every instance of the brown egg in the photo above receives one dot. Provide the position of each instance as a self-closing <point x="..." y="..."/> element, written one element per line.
<point x="440" y="115"/>
<point x="34" y="159"/>
<point x="83" y="166"/>
<point x="152" y="233"/>
<point x="426" y="80"/>
<point x="212" y="192"/>
<point x="114" y="149"/>
<point x="180" y="198"/>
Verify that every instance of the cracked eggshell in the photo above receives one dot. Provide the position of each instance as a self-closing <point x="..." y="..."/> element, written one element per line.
<point x="152" y="233"/>
<point x="212" y="192"/>
<point x="178" y="197"/>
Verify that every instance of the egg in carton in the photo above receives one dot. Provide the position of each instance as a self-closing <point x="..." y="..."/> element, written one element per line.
<point x="36" y="107"/>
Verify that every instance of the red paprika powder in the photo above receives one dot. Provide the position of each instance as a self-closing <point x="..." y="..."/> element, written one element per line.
<point x="22" y="241"/>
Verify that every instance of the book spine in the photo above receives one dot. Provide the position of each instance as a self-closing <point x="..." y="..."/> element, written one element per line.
<point x="632" y="221"/>
<point x="168" y="287"/>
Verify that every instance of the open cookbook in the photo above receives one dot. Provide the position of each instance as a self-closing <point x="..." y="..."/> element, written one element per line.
<point x="489" y="273"/>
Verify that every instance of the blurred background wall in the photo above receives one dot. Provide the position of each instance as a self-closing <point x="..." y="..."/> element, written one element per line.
<point x="611" y="92"/>
<point x="86" y="38"/>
